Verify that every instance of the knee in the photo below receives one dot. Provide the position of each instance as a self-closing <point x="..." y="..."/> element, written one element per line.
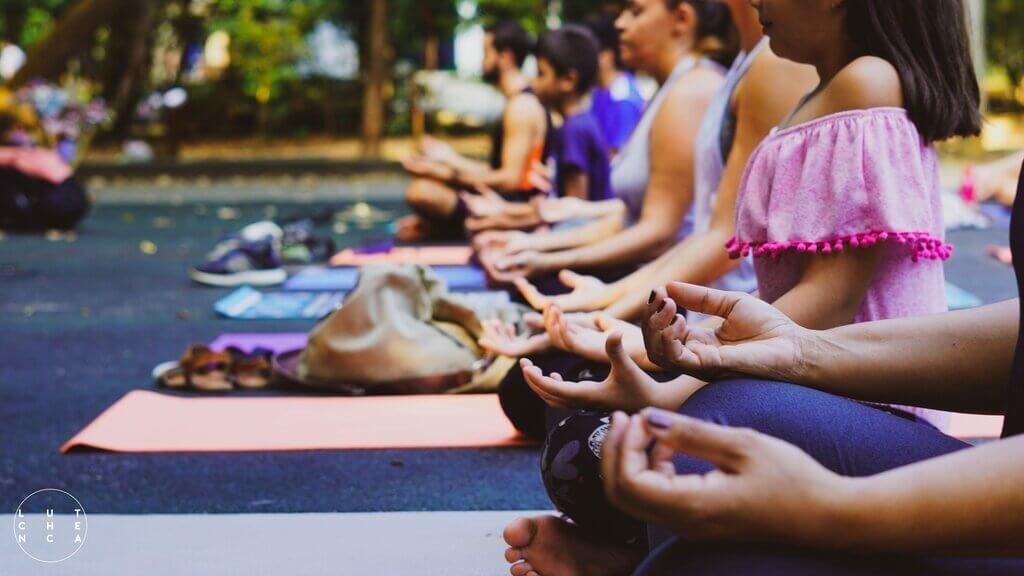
<point x="737" y="403"/>
<point x="732" y="402"/>
<point x="422" y="194"/>
<point x="416" y="193"/>
<point x="522" y="406"/>
<point x="67" y="205"/>
<point x="571" y="471"/>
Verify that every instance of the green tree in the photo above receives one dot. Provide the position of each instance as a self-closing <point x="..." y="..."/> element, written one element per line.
<point x="268" y="39"/>
<point x="1004" y="36"/>
<point x="532" y="14"/>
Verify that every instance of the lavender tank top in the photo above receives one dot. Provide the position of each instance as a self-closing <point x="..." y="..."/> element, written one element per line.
<point x="709" y="165"/>
<point x="631" y="168"/>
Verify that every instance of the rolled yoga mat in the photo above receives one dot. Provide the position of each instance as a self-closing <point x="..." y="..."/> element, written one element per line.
<point x="144" y="421"/>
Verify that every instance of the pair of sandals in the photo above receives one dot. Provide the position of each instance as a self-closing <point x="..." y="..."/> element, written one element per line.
<point x="205" y="370"/>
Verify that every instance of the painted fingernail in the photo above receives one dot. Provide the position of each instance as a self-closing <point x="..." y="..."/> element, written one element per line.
<point x="659" y="419"/>
<point x="663" y="304"/>
<point x="651" y="299"/>
<point x="674" y="320"/>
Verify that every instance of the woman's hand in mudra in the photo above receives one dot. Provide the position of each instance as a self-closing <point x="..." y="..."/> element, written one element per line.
<point x="751" y="337"/>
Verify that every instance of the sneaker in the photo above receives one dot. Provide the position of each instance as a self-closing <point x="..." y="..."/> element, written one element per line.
<point x="250" y="263"/>
<point x="300" y="245"/>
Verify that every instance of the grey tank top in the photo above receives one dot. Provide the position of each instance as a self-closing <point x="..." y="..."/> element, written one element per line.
<point x="631" y="169"/>
<point x="709" y="163"/>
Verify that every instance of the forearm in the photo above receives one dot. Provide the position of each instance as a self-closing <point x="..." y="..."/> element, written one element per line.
<point x="603" y="208"/>
<point x="958" y="361"/>
<point x="468" y="166"/>
<point x="639" y="243"/>
<point x="568" y="238"/>
<point x="700" y="259"/>
<point x="968" y="503"/>
<point x="503" y="179"/>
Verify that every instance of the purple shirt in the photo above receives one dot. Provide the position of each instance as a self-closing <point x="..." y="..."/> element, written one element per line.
<point x="579" y="146"/>
<point x="617" y="109"/>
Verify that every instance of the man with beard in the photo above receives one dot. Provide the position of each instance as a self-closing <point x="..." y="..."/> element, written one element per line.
<point x="518" y="141"/>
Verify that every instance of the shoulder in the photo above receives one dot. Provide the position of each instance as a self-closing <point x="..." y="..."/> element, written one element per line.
<point x="867" y="82"/>
<point x="771" y="88"/>
<point x="523" y="107"/>
<point x="698" y="86"/>
<point x="767" y="69"/>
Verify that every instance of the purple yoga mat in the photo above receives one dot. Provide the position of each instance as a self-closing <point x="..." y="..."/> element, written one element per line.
<point x="276" y="342"/>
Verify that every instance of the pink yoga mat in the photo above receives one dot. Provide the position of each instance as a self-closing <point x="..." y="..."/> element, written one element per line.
<point x="427" y="255"/>
<point x="275" y="342"/>
<point x="144" y="421"/>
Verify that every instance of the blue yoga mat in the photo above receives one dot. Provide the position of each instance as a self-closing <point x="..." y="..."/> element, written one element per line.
<point x="959" y="299"/>
<point x="344" y="279"/>
<point x="247" y="303"/>
<point x="997" y="214"/>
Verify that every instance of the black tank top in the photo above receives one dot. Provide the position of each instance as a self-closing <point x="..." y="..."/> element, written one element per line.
<point x="498" y="138"/>
<point x="1015" y="411"/>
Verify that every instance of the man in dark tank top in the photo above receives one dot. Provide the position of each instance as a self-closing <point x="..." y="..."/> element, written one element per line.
<point x="518" y="141"/>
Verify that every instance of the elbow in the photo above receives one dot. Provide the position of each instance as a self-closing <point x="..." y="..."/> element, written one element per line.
<point x="842" y="312"/>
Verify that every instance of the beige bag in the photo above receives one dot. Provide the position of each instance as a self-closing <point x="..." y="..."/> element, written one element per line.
<point x="401" y="332"/>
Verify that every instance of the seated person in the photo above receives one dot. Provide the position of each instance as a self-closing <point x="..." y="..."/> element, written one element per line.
<point x="616" y="101"/>
<point x="567" y="65"/>
<point x="653" y="174"/>
<point x="822" y="280"/>
<point x="519" y="138"/>
<point x="567" y="68"/>
<point x="998" y="180"/>
<point x="38" y="192"/>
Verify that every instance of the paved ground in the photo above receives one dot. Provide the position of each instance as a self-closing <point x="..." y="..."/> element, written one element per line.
<point x="84" y="321"/>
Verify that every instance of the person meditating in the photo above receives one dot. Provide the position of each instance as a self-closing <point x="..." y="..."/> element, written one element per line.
<point x="653" y="173"/>
<point x="861" y="141"/>
<point x="519" y="139"/>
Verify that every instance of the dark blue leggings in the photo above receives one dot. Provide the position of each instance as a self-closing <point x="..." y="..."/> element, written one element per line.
<point x="847" y="437"/>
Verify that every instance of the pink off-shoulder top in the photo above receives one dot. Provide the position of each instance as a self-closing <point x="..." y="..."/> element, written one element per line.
<point x="843" y="182"/>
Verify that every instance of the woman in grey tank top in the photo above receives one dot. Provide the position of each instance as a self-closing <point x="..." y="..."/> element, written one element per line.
<point x="661" y="38"/>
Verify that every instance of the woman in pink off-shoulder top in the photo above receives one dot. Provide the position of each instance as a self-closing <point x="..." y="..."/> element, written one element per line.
<point x="855" y="193"/>
<point x="839" y="208"/>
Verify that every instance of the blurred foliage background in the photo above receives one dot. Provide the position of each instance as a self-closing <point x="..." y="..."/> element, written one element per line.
<point x="250" y="67"/>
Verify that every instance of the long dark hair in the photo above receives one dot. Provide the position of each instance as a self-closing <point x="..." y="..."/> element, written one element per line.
<point x="717" y="37"/>
<point x="928" y="43"/>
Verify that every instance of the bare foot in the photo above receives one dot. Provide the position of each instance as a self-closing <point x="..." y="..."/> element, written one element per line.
<point x="550" y="546"/>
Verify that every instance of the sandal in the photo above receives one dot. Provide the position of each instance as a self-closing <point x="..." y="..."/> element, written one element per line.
<point x="200" y="368"/>
<point x="250" y="371"/>
<point x="170" y="375"/>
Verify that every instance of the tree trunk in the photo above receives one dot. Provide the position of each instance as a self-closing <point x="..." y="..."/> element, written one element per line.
<point x="14" y="21"/>
<point x="129" y="58"/>
<point x="72" y="35"/>
<point x="375" y="74"/>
